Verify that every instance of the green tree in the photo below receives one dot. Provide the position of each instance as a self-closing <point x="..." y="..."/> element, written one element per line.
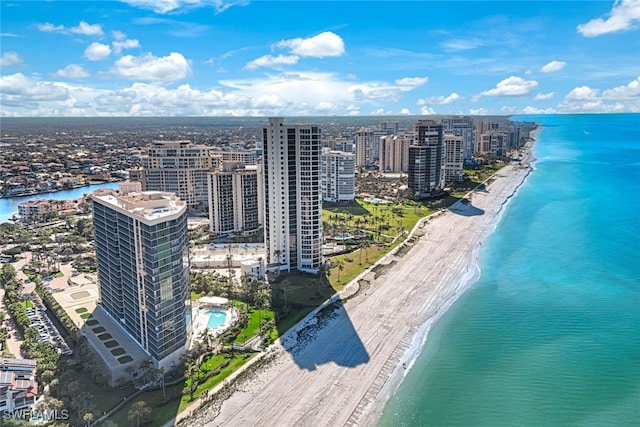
<point x="139" y="411"/>
<point x="88" y="418"/>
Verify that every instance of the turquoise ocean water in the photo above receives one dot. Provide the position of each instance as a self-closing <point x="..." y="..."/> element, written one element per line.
<point x="550" y="334"/>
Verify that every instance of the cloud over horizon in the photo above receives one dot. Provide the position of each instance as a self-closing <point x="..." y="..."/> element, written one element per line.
<point x="625" y="15"/>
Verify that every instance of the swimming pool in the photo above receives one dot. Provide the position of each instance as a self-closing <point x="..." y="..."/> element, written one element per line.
<point x="216" y="318"/>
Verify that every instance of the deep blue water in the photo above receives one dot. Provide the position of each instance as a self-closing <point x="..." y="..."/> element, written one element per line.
<point x="9" y="206"/>
<point x="550" y="334"/>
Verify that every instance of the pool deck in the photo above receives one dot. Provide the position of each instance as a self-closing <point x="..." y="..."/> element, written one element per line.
<point x="201" y="320"/>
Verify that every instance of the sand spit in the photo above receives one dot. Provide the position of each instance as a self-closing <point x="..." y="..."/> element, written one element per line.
<point x="342" y="365"/>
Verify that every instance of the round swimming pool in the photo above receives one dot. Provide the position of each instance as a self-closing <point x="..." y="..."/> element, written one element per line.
<point x="216" y="318"/>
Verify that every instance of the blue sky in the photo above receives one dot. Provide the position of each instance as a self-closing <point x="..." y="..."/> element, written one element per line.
<point x="219" y="57"/>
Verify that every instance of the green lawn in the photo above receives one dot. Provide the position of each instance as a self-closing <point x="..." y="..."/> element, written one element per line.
<point x="81" y="310"/>
<point x="27" y="304"/>
<point x="253" y="326"/>
<point x="160" y="413"/>
<point x="92" y="322"/>
<point x="211" y="382"/>
<point x="58" y="274"/>
<point x="86" y="315"/>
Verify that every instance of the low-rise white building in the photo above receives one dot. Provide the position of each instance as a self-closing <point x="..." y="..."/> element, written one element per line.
<point x="18" y="387"/>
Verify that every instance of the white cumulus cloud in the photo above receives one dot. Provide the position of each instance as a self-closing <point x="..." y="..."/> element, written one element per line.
<point x="17" y="88"/>
<point x="97" y="51"/>
<point x="553" y="66"/>
<point x="534" y="110"/>
<point x="87" y="29"/>
<point x="581" y="93"/>
<point x="319" y="46"/>
<point x="73" y="72"/>
<point x="427" y="111"/>
<point x="150" y="68"/>
<point x="440" y="100"/>
<point x="271" y="61"/>
<point x="544" y="96"/>
<point x="10" y="58"/>
<point x="624" y="15"/>
<point x="82" y="28"/>
<point x="630" y="91"/>
<point x="412" y="82"/>
<point x="585" y="99"/>
<point x="511" y="86"/>
<point x="119" y="45"/>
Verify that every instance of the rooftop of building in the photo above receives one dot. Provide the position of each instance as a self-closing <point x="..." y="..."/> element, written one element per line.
<point x="148" y="205"/>
<point x="7" y="364"/>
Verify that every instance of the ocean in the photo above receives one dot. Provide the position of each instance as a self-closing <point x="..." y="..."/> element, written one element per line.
<point x="550" y="333"/>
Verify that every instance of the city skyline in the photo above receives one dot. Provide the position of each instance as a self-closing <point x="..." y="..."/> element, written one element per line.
<point x="263" y="58"/>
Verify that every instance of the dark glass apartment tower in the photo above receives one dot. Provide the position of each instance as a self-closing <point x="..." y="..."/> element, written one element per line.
<point x="143" y="270"/>
<point x="426" y="157"/>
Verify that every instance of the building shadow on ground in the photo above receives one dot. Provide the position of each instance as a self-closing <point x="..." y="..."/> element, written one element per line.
<point x="465" y="208"/>
<point x="330" y="339"/>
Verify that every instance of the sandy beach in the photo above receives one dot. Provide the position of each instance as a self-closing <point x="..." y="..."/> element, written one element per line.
<point x="343" y="364"/>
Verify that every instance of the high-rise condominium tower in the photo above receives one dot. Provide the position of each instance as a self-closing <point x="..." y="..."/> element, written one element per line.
<point x="338" y="176"/>
<point x="462" y="126"/>
<point x="180" y="167"/>
<point x="426" y="157"/>
<point x="235" y="199"/>
<point x="143" y="268"/>
<point x="292" y="195"/>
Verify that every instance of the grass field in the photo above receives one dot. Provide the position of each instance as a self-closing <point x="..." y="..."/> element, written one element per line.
<point x="160" y="413"/>
<point x="211" y="364"/>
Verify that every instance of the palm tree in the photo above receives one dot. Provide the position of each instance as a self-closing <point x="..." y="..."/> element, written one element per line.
<point x="366" y="246"/>
<point x="229" y="264"/>
<point x="161" y="373"/>
<point x="277" y="254"/>
<point x="340" y="268"/>
<point x="139" y="410"/>
<point x="88" y="418"/>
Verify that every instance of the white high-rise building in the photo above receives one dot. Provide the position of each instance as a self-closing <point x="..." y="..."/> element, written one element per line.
<point x="338" y="176"/>
<point x="394" y="153"/>
<point x="462" y="126"/>
<point x="453" y="158"/>
<point x="292" y="195"/>
<point x="368" y="142"/>
<point x="179" y="167"/>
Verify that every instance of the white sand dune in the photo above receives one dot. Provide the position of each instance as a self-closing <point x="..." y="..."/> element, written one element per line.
<point x="342" y="370"/>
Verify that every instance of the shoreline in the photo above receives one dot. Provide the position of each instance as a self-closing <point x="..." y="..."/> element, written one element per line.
<point x="34" y="192"/>
<point x="467" y="281"/>
<point x="343" y="368"/>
